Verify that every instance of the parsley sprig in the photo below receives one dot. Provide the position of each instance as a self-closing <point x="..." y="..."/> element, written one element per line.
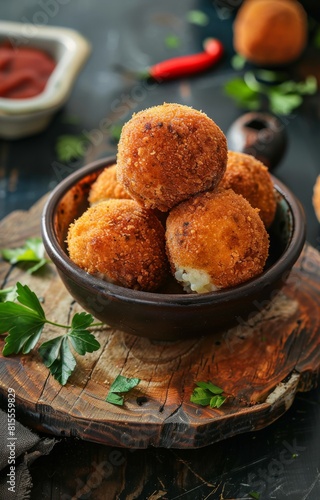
<point x="208" y="394"/>
<point x="32" y="253"/>
<point x="71" y="147"/>
<point x="283" y="96"/>
<point x="24" y="322"/>
<point x="119" y="386"/>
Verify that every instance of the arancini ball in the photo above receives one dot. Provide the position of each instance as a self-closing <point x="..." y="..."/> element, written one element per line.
<point x="168" y="153"/>
<point x="215" y="240"/>
<point x="107" y="187"/>
<point x="270" y="32"/>
<point x="121" y="242"/>
<point x="316" y="198"/>
<point x="249" y="177"/>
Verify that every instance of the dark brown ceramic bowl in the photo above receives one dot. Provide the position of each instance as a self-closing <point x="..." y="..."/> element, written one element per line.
<point x="168" y="314"/>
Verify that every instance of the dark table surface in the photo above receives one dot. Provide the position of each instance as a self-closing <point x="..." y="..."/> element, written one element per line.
<point x="281" y="461"/>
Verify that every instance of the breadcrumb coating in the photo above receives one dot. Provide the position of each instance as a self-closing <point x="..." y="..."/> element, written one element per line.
<point x="107" y="186"/>
<point x="270" y="32"/>
<point x="248" y="176"/>
<point x="219" y="238"/>
<point x="120" y="242"/>
<point x="168" y="153"/>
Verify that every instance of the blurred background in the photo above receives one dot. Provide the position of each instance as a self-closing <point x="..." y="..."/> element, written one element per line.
<point x="127" y="38"/>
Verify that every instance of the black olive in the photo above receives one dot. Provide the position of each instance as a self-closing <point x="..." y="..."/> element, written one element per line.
<point x="261" y="135"/>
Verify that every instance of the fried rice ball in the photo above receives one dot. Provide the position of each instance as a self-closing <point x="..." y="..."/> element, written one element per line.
<point x="168" y="153"/>
<point x="107" y="186"/>
<point x="316" y="198"/>
<point x="248" y="176"/>
<point x="215" y="240"/>
<point x="121" y="242"/>
<point x="270" y="32"/>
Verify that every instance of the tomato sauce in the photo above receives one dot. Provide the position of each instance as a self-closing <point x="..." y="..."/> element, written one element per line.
<point x="24" y="71"/>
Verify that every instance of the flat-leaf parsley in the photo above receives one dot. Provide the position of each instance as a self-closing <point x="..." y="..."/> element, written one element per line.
<point x="24" y="322"/>
<point x="32" y="252"/>
<point x="208" y="394"/>
<point x="119" y="386"/>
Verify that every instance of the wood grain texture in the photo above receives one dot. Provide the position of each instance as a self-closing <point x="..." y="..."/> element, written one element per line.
<point x="260" y="364"/>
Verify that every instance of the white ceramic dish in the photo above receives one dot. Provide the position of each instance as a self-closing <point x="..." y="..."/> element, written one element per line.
<point x="24" y="117"/>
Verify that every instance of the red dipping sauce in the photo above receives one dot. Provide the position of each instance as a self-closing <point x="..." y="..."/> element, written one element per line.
<point x="24" y="71"/>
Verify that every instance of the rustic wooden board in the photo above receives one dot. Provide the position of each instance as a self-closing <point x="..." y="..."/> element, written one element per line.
<point x="261" y="364"/>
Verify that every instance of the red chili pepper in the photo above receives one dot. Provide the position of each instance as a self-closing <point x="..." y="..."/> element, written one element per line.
<point x="190" y="64"/>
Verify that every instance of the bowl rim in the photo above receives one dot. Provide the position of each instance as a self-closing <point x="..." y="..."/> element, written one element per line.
<point x="76" y="51"/>
<point x="64" y="263"/>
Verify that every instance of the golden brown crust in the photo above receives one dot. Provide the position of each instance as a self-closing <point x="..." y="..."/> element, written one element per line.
<point x="168" y="153"/>
<point x="316" y="198"/>
<point x="220" y="233"/>
<point x="249" y="177"/>
<point x="270" y="31"/>
<point x="107" y="186"/>
<point x="122" y="242"/>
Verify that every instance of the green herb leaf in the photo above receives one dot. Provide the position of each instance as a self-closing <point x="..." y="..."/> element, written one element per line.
<point x="57" y="356"/>
<point x="238" y="62"/>
<point x="283" y="97"/>
<point x="120" y="385"/>
<point x="211" y="387"/>
<point x="115" y="131"/>
<point x="115" y="399"/>
<point x="206" y="394"/>
<point x="81" y="339"/>
<point x="32" y="251"/>
<point x="56" y="353"/>
<point x="243" y="95"/>
<point x="71" y="147"/>
<point x="172" y="41"/>
<point x="81" y="321"/>
<point x="29" y="299"/>
<point x="201" y="396"/>
<point x="254" y="494"/>
<point x="217" y="401"/>
<point x="281" y="104"/>
<point x="197" y="17"/>
<point x="23" y="322"/>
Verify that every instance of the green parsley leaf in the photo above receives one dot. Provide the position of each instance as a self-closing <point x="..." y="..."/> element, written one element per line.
<point x="71" y="147"/>
<point x="254" y="494"/>
<point x="56" y="353"/>
<point x="172" y="41"/>
<point x="23" y="322"/>
<point x="32" y="251"/>
<point x="238" y="62"/>
<point x="115" y="399"/>
<point x="206" y="394"/>
<point x="57" y="356"/>
<point x="82" y="340"/>
<point x="284" y="104"/>
<point x="283" y="97"/>
<point x="29" y="299"/>
<point x="243" y="95"/>
<point x="217" y="401"/>
<point x="211" y="387"/>
<point x="120" y="385"/>
<point x="201" y="396"/>
<point x="115" y="131"/>
<point x="197" y="17"/>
